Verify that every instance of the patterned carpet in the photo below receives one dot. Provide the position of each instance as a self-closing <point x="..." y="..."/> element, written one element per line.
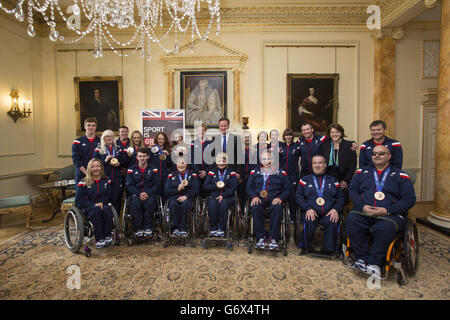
<point x="33" y="265"/>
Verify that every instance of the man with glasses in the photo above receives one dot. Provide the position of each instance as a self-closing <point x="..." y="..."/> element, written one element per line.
<point x="268" y="188"/>
<point x="382" y="195"/>
<point x="377" y="130"/>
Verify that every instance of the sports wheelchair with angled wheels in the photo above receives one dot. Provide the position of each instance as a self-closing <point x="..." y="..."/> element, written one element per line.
<point x="284" y="225"/>
<point x="231" y="218"/>
<point x="77" y="227"/>
<point x="168" y="232"/>
<point x="402" y="254"/>
<point x="127" y="223"/>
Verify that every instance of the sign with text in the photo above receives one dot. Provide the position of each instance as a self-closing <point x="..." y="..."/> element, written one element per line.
<point x="169" y="121"/>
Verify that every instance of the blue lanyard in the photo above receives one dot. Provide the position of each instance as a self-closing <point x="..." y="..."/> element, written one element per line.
<point x="379" y="185"/>
<point x="322" y="188"/>
<point x="222" y="177"/>
<point x="113" y="151"/>
<point x="185" y="176"/>
<point x="266" y="178"/>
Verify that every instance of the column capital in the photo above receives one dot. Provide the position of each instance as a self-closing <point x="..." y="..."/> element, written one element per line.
<point x="395" y="33"/>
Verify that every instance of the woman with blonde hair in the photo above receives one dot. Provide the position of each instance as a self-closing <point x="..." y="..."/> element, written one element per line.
<point x="92" y="196"/>
<point x="110" y="154"/>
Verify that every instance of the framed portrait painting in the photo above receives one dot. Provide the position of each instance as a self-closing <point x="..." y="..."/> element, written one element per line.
<point x="102" y="98"/>
<point x="312" y="98"/>
<point x="203" y="96"/>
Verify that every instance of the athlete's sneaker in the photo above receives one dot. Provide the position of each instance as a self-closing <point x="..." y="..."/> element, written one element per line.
<point x="100" y="244"/>
<point x="261" y="243"/>
<point x="139" y="233"/>
<point x="108" y="241"/>
<point x="220" y="233"/>
<point x="148" y="233"/>
<point x="273" y="245"/>
<point x="183" y="233"/>
<point x="361" y="265"/>
<point x="213" y="233"/>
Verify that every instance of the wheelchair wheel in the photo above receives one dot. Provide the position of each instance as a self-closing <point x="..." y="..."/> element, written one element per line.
<point x="410" y="248"/>
<point x="74" y="229"/>
<point x="115" y="230"/>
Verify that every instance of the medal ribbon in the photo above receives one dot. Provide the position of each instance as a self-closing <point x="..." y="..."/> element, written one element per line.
<point x="379" y="185"/>
<point x="222" y="177"/>
<point x="185" y="176"/>
<point x="322" y="188"/>
<point x="266" y="178"/>
<point x="113" y="151"/>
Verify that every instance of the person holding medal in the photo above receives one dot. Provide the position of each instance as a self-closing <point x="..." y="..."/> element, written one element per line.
<point x="181" y="188"/>
<point x="143" y="186"/>
<point x="382" y="194"/>
<point x="320" y="199"/>
<point x="108" y="152"/>
<point x="137" y="142"/>
<point x="220" y="184"/>
<point x="268" y="188"/>
<point x="160" y="157"/>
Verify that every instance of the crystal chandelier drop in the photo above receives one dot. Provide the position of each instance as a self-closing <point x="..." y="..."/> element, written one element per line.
<point x="104" y="17"/>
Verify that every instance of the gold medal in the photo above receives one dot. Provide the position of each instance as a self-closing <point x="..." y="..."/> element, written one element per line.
<point x="114" y="161"/>
<point x="263" y="194"/>
<point x="185" y="182"/>
<point x="162" y="157"/>
<point x="320" y="201"/>
<point x="379" y="195"/>
<point x="220" y="184"/>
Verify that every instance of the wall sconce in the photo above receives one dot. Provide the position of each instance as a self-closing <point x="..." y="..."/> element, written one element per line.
<point x="15" y="112"/>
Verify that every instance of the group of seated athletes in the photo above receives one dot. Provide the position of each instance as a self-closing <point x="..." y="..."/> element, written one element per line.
<point x="315" y="173"/>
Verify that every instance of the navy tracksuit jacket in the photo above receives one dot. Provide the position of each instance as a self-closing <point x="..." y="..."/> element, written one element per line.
<point x="87" y="196"/>
<point x="218" y="211"/>
<point x="395" y="148"/>
<point x="309" y="149"/>
<point x="142" y="180"/>
<point x="399" y="198"/>
<point x="306" y="197"/>
<point x="82" y="152"/>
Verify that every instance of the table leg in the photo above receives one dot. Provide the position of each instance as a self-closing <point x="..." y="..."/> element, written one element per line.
<point x="63" y="197"/>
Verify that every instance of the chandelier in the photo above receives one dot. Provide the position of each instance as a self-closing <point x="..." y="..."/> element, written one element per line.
<point x="143" y="17"/>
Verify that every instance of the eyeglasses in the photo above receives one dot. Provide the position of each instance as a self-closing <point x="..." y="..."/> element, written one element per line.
<point x="374" y="154"/>
<point x="266" y="159"/>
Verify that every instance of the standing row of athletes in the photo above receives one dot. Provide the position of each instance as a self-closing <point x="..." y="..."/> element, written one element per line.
<point x="315" y="173"/>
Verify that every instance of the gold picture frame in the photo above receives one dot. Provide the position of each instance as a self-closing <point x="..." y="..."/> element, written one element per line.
<point x="102" y="98"/>
<point x="312" y="98"/>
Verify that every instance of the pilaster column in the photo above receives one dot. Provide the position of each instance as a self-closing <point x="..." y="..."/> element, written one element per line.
<point x="384" y="72"/>
<point x="237" y="96"/>
<point x="441" y="213"/>
<point x="170" y="93"/>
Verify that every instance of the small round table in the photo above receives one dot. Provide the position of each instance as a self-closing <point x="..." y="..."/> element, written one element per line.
<point x="61" y="185"/>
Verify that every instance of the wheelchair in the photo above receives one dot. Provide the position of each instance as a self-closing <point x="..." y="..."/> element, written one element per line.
<point x="127" y="223"/>
<point x="77" y="227"/>
<point x="166" y="225"/>
<point x="284" y="225"/>
<point x="402" y="254"/>
<point x="230" y="227"/>
<point x="299" y="235"/>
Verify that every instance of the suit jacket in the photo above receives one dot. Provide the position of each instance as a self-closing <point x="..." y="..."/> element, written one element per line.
<point x="235" y="152"/>
<point x="347" y="158"/>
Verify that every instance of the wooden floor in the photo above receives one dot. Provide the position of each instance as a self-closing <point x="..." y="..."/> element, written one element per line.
<point x="11" y="225"/>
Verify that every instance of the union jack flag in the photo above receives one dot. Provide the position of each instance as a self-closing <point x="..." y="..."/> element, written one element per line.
<point x="162" y="115"/>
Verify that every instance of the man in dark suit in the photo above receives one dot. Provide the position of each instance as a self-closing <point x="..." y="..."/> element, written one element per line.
<point x="230" y="144"/>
